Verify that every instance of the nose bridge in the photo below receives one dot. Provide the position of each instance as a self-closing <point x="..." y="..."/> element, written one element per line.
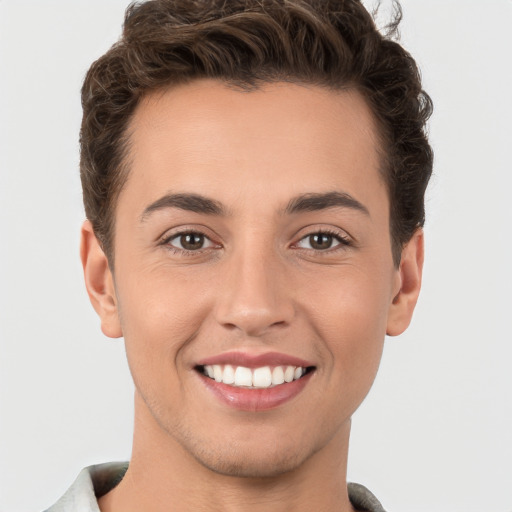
<point x="254" y="296"/>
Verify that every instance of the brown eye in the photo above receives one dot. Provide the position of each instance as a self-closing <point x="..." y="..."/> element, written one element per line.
<point x="190" y="241"/>
<point x="321" y="241"/>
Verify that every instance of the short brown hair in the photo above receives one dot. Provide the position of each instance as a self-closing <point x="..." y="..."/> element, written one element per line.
<point x="244" y="43"/>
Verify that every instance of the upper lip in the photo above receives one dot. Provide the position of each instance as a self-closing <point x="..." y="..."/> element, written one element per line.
<point x="236" y="358"/>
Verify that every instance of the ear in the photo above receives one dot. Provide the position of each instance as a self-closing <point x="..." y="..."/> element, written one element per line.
<point x="409" y="284"/>
<point x="99" y="282"/>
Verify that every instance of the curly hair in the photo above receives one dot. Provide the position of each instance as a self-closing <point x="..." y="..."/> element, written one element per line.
<point x="246" y="43"/>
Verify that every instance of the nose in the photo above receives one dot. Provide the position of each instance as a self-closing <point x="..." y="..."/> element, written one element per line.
<point x="255" y="294"/>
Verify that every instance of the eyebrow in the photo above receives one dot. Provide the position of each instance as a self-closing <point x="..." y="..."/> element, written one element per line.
<point x="322" y="201"/>
<point x="189" y="202"/>
<point x="304" y="203"/>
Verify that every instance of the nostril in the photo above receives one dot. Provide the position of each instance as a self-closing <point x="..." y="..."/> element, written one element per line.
<point x="230" y="326"/>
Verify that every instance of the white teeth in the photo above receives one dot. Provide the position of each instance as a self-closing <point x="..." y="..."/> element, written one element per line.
<point x="228" y="377"/>
<point x="263" y="377"/>
<point x="278" y="375"/>
<point x="289" y="373"/>
<point x="217" y="372"/>
<point x="243" y="376"/>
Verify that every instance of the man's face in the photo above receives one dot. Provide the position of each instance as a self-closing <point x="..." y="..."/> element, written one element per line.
<point x="253" y="232"/>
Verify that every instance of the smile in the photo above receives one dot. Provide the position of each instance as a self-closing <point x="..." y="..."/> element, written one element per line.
<point x="254" y="382"/>
<point x="254" y="378"/>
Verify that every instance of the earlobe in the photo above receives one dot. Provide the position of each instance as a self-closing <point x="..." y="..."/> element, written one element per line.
<point x="409" y="277"/>
<point x="99" y="282"/>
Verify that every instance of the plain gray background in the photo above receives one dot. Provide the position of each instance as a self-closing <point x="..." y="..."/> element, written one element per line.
<point x="435" y="433"/>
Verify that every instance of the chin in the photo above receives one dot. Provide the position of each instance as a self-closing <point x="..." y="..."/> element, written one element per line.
<point x="250" y="469"/>
<point x="260" y="463"/>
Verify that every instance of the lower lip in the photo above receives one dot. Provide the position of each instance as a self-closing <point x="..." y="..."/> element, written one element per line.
<point x="247" y="399"/>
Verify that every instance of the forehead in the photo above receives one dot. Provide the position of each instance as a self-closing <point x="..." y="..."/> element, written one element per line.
<point x="206" y="137"/>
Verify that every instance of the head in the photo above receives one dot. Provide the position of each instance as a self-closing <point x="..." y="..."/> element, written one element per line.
<point x="245" y="44"/>
<point x="253" y="176"/>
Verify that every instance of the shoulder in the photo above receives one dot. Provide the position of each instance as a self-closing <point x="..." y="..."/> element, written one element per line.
<point x="91" y="483"/>
<point x="362" y="499"/>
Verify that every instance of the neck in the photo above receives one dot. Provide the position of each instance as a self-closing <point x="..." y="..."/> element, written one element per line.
<point x="164" y="477"/>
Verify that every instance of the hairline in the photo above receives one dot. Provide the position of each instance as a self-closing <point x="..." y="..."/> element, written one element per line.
<point x="123" y="171"/>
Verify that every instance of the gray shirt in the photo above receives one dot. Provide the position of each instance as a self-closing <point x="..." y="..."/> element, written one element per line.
<point x="96" y="481"/>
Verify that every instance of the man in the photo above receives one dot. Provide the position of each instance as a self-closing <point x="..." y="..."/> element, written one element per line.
<point x="253" y="176"/>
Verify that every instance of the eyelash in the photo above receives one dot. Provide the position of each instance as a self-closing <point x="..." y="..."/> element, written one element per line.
<point x="343" y="242"/>
<point x="187" y="252"/>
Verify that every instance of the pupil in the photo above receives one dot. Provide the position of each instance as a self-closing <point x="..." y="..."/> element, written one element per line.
<point x="320" y="241"/>
<point x="192" y="241"/>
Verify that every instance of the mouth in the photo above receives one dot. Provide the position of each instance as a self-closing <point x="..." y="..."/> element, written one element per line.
<point x="254" y="382"/>
<point x="263" y="377"/>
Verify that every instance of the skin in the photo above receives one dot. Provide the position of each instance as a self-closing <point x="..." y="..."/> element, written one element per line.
<point x="257" y="284"/>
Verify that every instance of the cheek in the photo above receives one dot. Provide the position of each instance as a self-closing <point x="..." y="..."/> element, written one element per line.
<point x="159" y="316"/>
<point x="350" y="296"/>
<point x="350" y="316"/>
